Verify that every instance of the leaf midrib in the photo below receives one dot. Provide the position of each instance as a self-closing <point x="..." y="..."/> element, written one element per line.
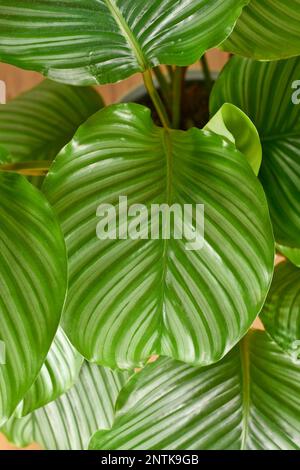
<point x="127" y="33"/>
<point x="167" y="147"/>
<point x="245" y="364"/>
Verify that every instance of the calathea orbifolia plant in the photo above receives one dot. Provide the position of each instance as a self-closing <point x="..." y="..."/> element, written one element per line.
<point x="79" y="313"/>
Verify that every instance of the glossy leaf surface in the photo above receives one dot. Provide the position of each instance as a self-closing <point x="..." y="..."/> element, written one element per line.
<point x="99" y="41"/>
<point x="267" y="30"/>
<point x="58" y="374"/>
<point x="32" y="288"/>
<point x="249" y="400"/>
<point x="38" y="123"/>
<point x="69" y="422"/>
<point x="131" y="298"/>
<point x="264" y="91"/>
<point x="281" y="312"/>
<point x="234" y="125"/>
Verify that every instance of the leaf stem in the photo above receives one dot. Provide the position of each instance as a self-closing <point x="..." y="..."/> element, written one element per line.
<point x="207" y="75"/>
<point x="165" y="87"/>
<point x="177" y="95"/>
<point x="170" y="72"/>
<point x="32" y="168"/>
<point x="159" y="106"/>
<point x="245" y="363"/>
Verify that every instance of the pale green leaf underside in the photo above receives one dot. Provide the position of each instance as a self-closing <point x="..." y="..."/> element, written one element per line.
<point x="99" y="41"/>
<point x="281" y="312"/>
<point x="249" y="400"/>
<point x="264" y="92"/>
<point x="234" y="125"/>
<point x="32" y="288"/>
<point x="293" y="254"/>
<point x="267" y="30"/>
<point x="69" y="422"/>
<point x="58" y="374"/>
<point x="129" y="299"/>
<point x="38" y="123"/>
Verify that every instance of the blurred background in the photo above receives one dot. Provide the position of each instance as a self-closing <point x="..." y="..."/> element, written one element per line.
<point x="17" y="81"/>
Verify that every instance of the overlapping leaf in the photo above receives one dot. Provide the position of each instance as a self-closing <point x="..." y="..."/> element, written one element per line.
<point x="249" y="400"/>
<point x="70" y="421"/>
<point x="281" y="313"/>
<point x="234" y="125"/>
<point x="32" y="288"/>
<point x="38" y="123"/>
<point x="130" y="298"/>
<point x="100" y="41"/>
<point x="293" y="254"/>
<point x="267" y="30"/>
<point x="264" y="92"/>
<point x="58" y="374"/>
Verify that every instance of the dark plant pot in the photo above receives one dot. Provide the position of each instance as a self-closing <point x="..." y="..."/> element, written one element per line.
<point x="195" y="102"/>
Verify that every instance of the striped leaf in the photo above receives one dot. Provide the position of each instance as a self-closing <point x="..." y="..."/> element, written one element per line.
<point x="69" y="422"/>
<point x="58" y="374"/>
<point x="38" y="123"/>
<point x="131" y="298"/>
<point x="267" y="30"/>
<point x="19" y="431"/>
<point x="99" y="41"/>
<point x="32" y="287"/>
<point x="281" y="313"/>
<point x="249" y="400"/>
<point x="264" y="91"/>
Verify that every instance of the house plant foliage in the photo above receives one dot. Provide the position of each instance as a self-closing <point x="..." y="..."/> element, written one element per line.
<point x="79" y="315"/>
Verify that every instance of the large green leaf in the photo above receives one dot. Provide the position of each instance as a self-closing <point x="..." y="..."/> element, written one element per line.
<point x="38" y="123"/>
<point x="249" y="400"/>
<point x="264" y="92"/>
<point x="100" y="41"/>
<point x="281" y="313"/>
<point x="267" y="30"/>
<point x="69" y="422"/>
<point x="129" y="298"/>
<point x="58" y="374"/>
<point x="32" y="287"/>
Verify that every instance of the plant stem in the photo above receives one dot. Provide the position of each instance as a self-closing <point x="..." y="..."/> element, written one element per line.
<point x="163" y="83"/>
<point x="205" y="67"/>
<point x="170" y="72"/>
<point x="177" y="94"/>
<point x="159" y="106"/>
<point x="33" y="168"/>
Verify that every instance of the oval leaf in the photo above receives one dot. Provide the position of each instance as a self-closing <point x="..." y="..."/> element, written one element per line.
<point x="58" y="374"/>
<point x="101" y="41"/>
<point x="131" y="298"/>
<point x="267" y="30"/>
<point x="234" y="125"/>
<point x="249" y="400"/>
<point x="69" y="422"/>
<point x="32" y="288"/>
<point x="257" y="88"/>
<point x="281" y="312"/>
